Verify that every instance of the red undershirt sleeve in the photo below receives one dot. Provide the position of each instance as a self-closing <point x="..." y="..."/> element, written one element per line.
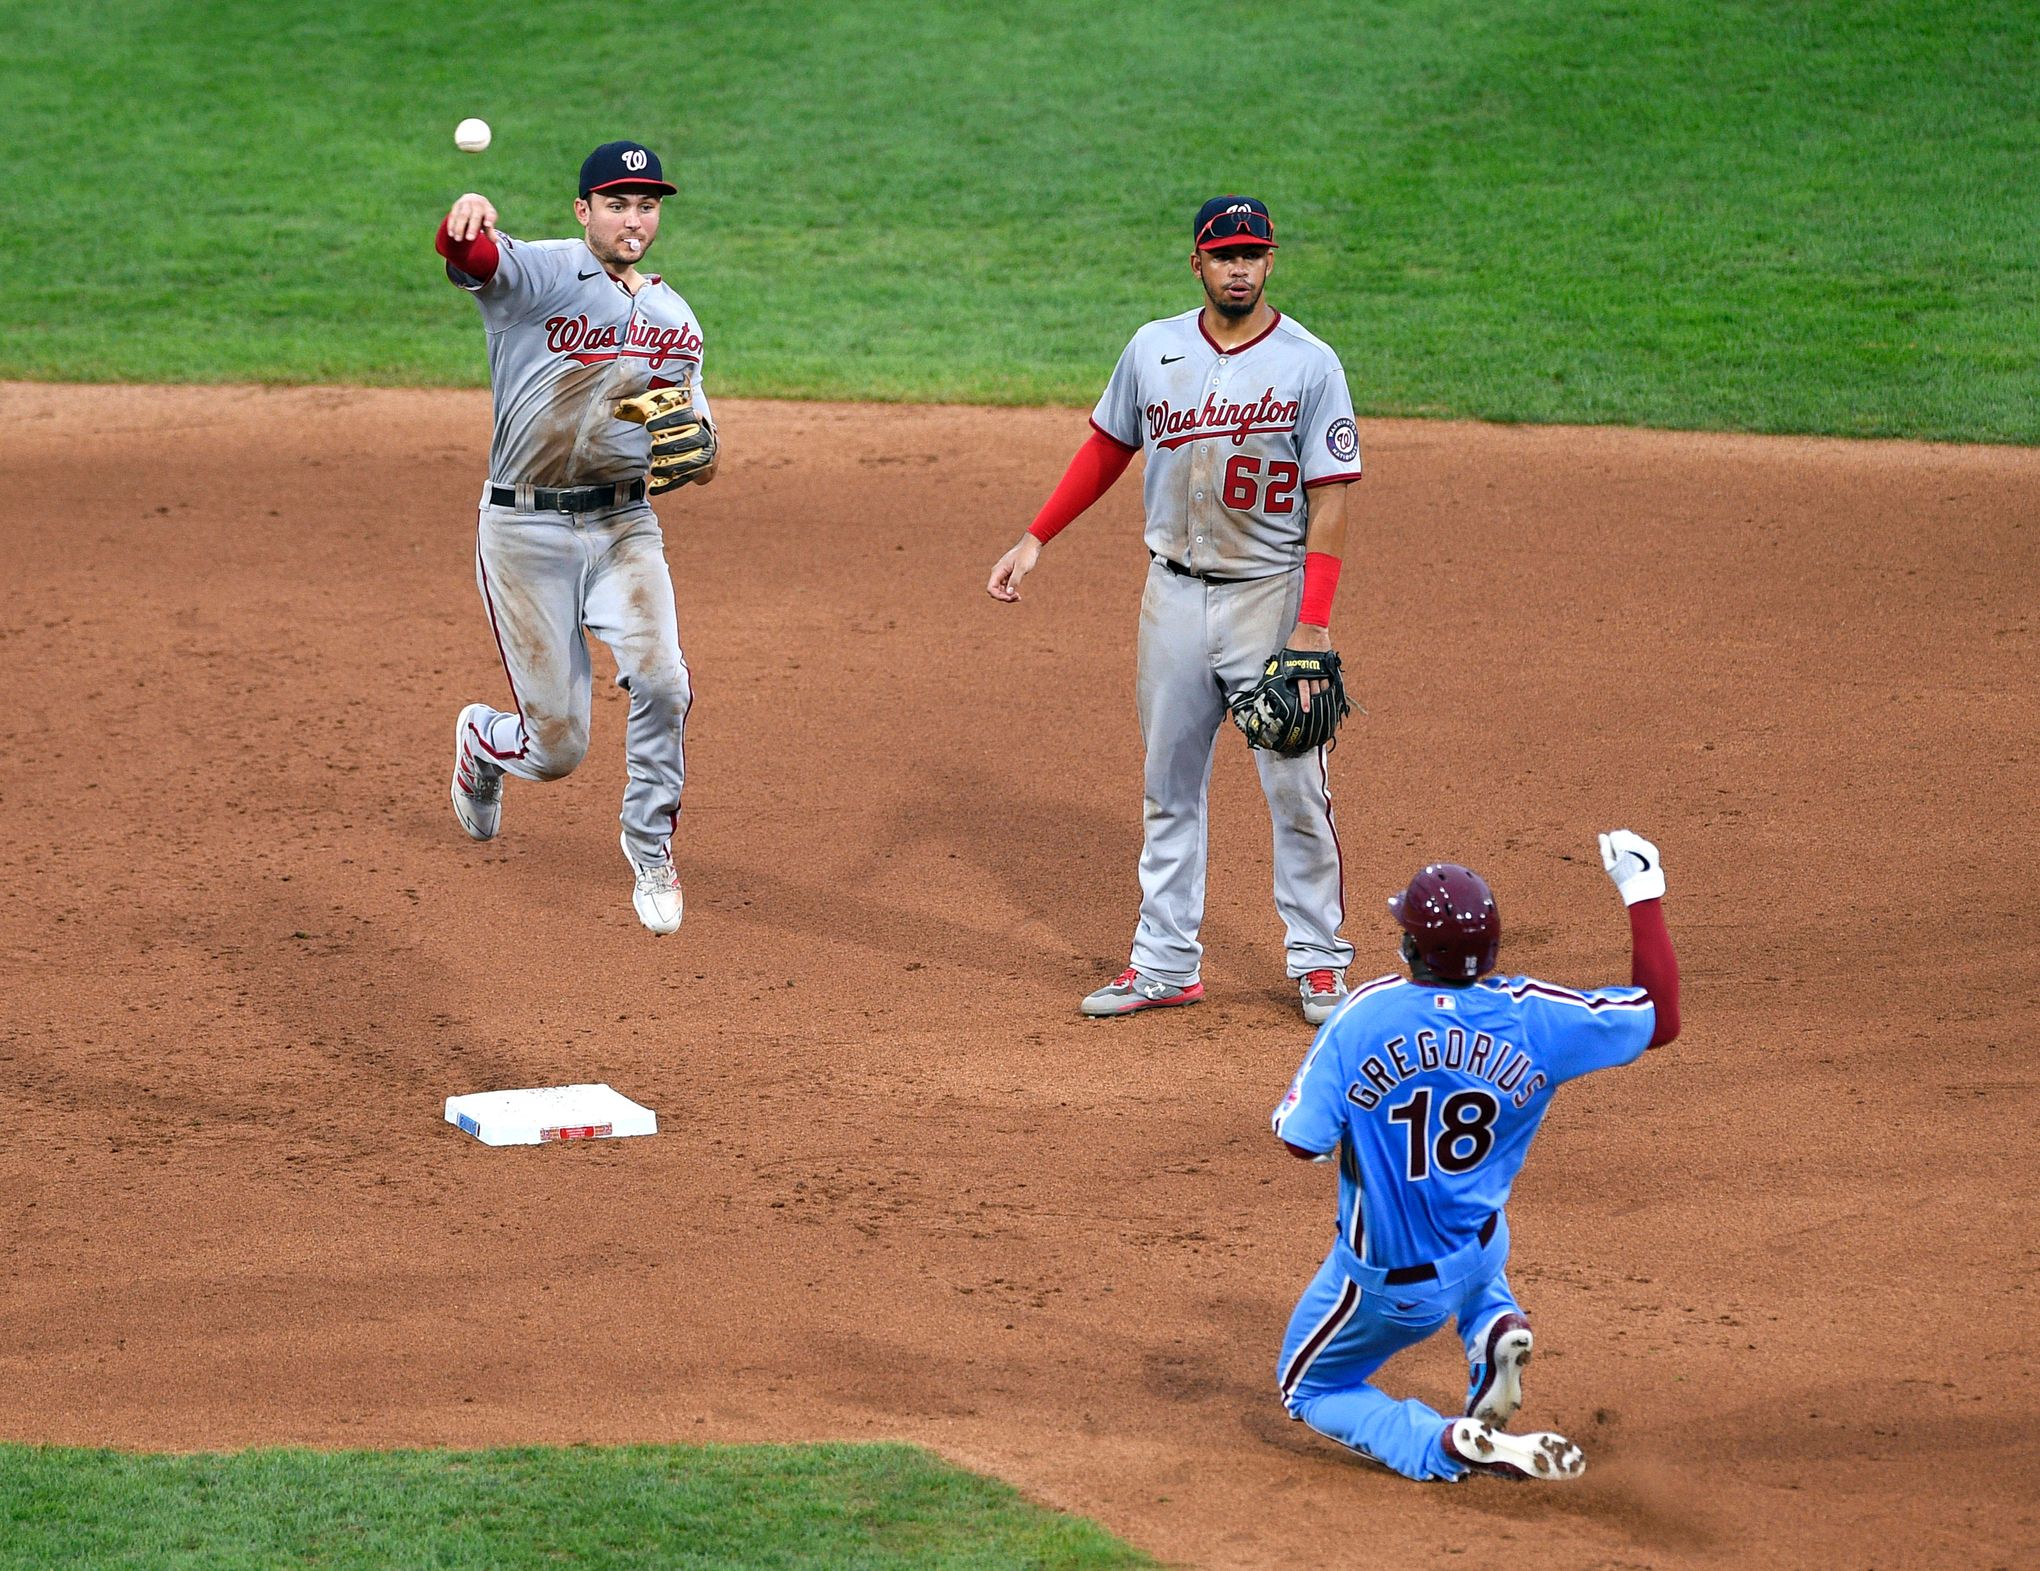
<point x="1098" y="463"/>
<point x="477" y="257"/>
<point x="1654" y="967"/>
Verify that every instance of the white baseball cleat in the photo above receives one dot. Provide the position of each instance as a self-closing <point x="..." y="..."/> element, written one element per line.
<point x="657" y="895"/>
<point x="477" y="783"/>
<point x="1488" y="1450"/>
<point x="1497" y="1388"/>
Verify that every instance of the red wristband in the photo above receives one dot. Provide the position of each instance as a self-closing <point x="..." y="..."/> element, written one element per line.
<point x="1320" y="583"/>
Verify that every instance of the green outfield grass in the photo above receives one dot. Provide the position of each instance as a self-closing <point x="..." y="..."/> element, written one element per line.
<point x="1816" y="216"/>
<point x="670" y="1508"/>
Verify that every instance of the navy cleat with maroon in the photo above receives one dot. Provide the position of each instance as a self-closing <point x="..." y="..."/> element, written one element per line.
<point x="1495" y="1390"/>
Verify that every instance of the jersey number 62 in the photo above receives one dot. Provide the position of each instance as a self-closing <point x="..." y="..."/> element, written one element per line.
<point x="1243" y="493"/>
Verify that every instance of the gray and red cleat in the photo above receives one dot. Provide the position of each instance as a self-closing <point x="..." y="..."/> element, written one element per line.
<point x="1496" y="1390"/>
<point x="1322" y="992"/>
<point x="1129" y="992"/>
<point x="477" y="783"/>
<point x="1496" y="1451"/>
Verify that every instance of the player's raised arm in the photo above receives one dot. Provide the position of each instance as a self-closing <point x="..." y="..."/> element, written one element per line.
<point x="1098" y="463"/>
<point x="467" y="236"/>
<point x="1639" y="875"/>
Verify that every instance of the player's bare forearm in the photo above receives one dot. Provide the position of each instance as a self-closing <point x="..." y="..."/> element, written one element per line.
<point x="1327" y="531"/>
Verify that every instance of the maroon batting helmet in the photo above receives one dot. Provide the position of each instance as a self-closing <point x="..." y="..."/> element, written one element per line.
<point x="1449" y="913"/>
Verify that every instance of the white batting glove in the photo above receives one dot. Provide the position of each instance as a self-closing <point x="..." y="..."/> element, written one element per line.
<point x="1633" y="862"/>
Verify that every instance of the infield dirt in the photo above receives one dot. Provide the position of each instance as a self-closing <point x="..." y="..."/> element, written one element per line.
<point x="1783" y="1273"/>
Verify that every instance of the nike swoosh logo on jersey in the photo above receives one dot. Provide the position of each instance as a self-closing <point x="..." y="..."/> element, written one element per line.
<point x="1170" y="359"/>
<point x="584" y="277"/>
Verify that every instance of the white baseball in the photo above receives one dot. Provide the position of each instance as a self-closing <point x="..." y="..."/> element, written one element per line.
<point x="471" y="135"/>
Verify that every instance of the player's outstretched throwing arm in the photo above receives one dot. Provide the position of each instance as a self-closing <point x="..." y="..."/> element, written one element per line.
<point x="1099" y="462"/>
<point x="1639" y="875"/>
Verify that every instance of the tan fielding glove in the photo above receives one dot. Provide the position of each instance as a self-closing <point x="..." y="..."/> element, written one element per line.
<point x="683" y="444"/>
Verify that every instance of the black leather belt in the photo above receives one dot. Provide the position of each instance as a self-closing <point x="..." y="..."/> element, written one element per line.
<point x="1183" y="572"/>
<point x="1403" y="1274"/>
<point x="575" y="499"/>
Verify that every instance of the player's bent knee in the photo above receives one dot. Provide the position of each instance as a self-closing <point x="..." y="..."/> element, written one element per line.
<point x="557" y="748"/>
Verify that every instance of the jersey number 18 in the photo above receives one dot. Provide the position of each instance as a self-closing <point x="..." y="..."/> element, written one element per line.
<point x="1461" y="1145"/>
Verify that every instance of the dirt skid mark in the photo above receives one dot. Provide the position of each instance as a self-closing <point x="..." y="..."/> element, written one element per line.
<point x="558" y="435"/>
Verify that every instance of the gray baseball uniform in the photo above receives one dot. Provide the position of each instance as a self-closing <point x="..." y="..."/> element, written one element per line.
<point x="566" y="341"/>
<point x="1234" y="438"/>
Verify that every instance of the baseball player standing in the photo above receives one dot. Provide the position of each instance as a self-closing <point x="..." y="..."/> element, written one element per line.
<point x="1248" y="431"/>
<point x="580" y="346"/>
<point x="1428" y="1090"/>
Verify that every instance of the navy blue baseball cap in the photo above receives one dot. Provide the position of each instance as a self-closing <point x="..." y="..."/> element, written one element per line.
<point x="1232" y="220"/>
<point x="623" y="163"/>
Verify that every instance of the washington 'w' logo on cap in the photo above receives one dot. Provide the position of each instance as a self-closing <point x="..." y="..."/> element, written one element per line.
<point x="634" y="159"/>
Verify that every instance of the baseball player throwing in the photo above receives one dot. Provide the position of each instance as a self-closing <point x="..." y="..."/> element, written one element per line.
<point x="1428" y="1090"/>
<point x="1248" y="432"/>
<point x="596" y="372"/>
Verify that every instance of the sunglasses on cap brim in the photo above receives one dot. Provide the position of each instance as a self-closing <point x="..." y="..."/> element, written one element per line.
<point x="1223" y="229"/>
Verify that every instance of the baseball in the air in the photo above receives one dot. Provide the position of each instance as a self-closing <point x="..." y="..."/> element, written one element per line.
<point x="471" y="135"/>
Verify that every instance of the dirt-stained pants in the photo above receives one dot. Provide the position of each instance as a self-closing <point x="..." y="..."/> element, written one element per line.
<point x="546" y="576"/>
<point x="1200" y="642"/>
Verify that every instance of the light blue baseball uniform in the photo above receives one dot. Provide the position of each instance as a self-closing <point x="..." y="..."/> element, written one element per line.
<point x="1429" y="1096"/>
